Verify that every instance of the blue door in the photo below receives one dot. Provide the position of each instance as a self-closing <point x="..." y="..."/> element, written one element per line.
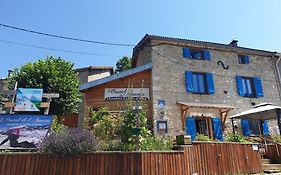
<point x="190" y="127"/>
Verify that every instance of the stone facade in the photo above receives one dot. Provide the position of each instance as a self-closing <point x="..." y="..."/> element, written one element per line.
<point x="168" y="77"/>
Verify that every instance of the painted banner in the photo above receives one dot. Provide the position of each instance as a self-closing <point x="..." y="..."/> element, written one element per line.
<point x="23" y="131"/>
<point x="28" y="99"/>
<point x="125" y="93"/>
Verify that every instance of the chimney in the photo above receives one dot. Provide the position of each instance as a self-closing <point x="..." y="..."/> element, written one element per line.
<point x="233" y="43"/>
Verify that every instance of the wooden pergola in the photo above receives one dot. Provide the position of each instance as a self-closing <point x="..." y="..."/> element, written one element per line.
<point x="222" y="110"/>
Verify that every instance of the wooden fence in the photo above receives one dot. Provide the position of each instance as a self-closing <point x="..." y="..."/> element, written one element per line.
<point x="201" y="158"/>
<point x="273" y="152"/>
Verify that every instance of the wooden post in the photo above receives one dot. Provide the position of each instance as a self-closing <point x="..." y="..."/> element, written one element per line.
<point x="278" y="113"/>
<point x="46" y="112"/>
<point x="10" y="110"/>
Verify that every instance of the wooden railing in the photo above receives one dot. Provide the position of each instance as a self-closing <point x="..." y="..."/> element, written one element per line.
<point x="273" y="152"/>
<point x="201" y="158"/>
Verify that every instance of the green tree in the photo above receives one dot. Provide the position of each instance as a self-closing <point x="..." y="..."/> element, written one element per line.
<point x="53" y="75"/>
<point x="123" y="64"/>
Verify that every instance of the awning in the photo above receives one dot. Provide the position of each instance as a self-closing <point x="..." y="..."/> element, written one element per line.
<point x="264" y="111"/>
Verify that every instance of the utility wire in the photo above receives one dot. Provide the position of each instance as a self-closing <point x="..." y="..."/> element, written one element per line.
<point x="194" y="70"/>
<point x="54" y="49"/>
<point x="65" y="37"/>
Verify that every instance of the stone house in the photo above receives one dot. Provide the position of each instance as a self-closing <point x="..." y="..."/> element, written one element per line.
<point x="195" y="85"/>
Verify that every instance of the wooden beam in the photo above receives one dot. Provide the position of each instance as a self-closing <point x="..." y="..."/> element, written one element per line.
<point x="12" y="105"/>
<point x="44" y="95"/>
<point x="224" y="115"/>
<point x="183" y="115"/>
<point x="9" y="105"/>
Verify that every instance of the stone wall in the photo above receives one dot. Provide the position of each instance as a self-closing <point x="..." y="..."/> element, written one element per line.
<point x="168" y="81"/>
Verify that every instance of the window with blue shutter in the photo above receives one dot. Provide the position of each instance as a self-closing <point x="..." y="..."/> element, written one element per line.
<point x="258" y="87"/>
<point x="188" y="81"/>
<point x="207" y="55"/>
<point x="199" y="83"/>
<point x="190" y="127"/>
<point x="217" y="127"/>
<point x="243" y="59"/>
<point x="186" y="52"/>
<point x="196" y="54"/>
<point x="210" y="82"/>
<point x="240" y="88"/>
<point x="265" y="128"/>
<point x="245" y="127"/>
<point x="249" y="86"/>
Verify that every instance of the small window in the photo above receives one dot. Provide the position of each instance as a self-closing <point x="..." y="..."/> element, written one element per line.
<point x="162" y="127"/>
<point x="199" y="83"/>
<point x="196" y="54"/>
<point x="248" y="87"/>
<point x="243" y="59"/>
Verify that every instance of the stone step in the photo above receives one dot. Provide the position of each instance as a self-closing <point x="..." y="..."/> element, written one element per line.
<point x="271" y="167"/>
<point x="265" y="161"/>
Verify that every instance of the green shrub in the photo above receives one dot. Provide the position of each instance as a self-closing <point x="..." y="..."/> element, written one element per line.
<point x="235" y="138"/>
<point x="276" y="138"/>
<point x="105" y="125"/>
<point x="69" y="142"/>
<point x="152" y="142"/>
<point x="57" y="126"/>
<point x="202" y="137"/>
<point x="113" y="145"/>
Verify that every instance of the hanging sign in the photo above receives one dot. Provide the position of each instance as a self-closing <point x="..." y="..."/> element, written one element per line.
<point x="125" y="93"/>
<point x="23" y="131"/>
<point x="28" y="99"/>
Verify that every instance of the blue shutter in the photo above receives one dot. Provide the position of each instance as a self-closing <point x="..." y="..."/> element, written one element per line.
<point x="217" y="128"/>
<point x="186" y="52"/>
<point x="207" y="55"/>
<point x="210" y="83"/>
<point x="247" y="60"/>
<point x="258" y="87"/>
<point x="245" y="127"/>
<point x="265" y="128"/>
<point x="240" y="89"/>
<point x="190" y="127"/>
<point x="189" y="81"/>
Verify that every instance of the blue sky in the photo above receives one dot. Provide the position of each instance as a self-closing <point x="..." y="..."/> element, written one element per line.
<point x="255" y="23"/>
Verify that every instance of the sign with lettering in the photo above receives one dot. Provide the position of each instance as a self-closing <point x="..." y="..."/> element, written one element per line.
<point x="125" y="93"/>
<point x="23" y="131"/>
<point x="28" y="99"/>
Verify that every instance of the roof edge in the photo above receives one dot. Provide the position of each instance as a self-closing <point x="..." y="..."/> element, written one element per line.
<point x="115" y="77"/>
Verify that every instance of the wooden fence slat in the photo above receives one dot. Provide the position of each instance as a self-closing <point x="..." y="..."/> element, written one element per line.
<point x="201" y="158"/>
